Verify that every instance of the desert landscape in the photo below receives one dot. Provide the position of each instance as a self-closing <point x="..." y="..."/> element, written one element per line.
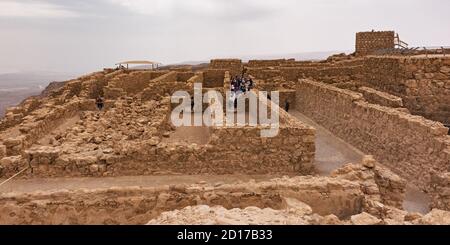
<point x="363" y="140"/>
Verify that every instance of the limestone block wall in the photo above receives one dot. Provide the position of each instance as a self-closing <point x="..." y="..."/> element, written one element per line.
<point x="35" y="126"/>
<point x="229" y="149"/>
<point x="269" y="63"/>
<point x="185" y="76"/>
<point x="287" y="97"/>
<point x="381" y="98"/>
<point x="168" y="84"/>
<point x="139" y="205"/>
<point x="214" y="78"/>
<point x="440" y="191"/>
<point x="88" y="87"/>
<point x="264" y="74"/>
<point x="238" y="149"/>
<point x="131" y="83"/>
<point x="369" y="42"/>
<point x="378" y="183"/>
<point x="52" y="118"/>
<point x="292" y="151"/>
<point x="332" y="73"/>
<point x="415" y="148"/>
<point x="422" y="83"/>
<point x="234" y="66"/>
<point x="15" y="115"/>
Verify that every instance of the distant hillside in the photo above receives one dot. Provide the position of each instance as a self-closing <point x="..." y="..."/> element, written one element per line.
<point x="15" y="87"/>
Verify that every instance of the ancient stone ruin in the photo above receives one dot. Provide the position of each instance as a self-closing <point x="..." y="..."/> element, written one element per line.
<point x="362" y="140"/>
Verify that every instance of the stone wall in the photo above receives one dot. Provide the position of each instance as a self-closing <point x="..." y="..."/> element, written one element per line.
<point x="234" y="66"/>
<point x="287" y="99"/>
<point x="422" y="83"/>
<point x="381" y="98"/>
<point x="139" y="205"/>
<point x="157" y="87"/>
<point x="131" y="83"/>
<point x="378" y="183"/>
<point x="332" y="73"/>
<point x="412" y="146"/>
<point x="269" y="63"/>
<point x="120" y="143"/>
<point x="168" y="84"/>
<point x="369" y="42"/>
<point x="440" y="191"/>
<point x="214" y="78"/>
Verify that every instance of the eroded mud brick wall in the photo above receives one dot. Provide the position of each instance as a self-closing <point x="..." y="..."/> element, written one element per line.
<point x="414" y="147"/>
<point x="369" y="42"/>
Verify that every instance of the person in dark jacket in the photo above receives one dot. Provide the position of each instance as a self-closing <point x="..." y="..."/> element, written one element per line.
<point x="100" y="103"/>
<point x="286" y="106"/>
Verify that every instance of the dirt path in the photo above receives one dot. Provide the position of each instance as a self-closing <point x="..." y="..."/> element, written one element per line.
<point x="34" y="185"/>
<point x="416" y="200"/>
<point x="331" y="152"/>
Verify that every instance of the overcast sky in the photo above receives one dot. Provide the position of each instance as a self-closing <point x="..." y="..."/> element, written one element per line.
<point x="86" y="35"/>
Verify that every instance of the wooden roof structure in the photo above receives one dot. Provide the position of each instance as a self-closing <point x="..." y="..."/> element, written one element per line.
<point x="139" y="62"/>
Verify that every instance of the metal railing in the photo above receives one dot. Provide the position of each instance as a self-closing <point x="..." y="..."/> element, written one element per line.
<point x="442" y="50"/>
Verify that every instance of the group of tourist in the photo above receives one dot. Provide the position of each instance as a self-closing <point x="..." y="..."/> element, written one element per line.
<point x="241" y="85"/>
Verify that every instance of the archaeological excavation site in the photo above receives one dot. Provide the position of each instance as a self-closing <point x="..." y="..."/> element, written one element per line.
<point x="363" y="139"/>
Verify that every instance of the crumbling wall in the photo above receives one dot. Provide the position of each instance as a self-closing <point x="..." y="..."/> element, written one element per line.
<point x="378" y="183"/>
<point x="440" y="191"/>
<point x="131" y="83"/>
<point x="139" y="205"/>
<point x="122" y="141"/>
<point x="369" y="42"/>
<point x="412" y="146"/>
<point x="236" y="149"/>
<point x="162" y="88"/>
<point x="85" y="87"/>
